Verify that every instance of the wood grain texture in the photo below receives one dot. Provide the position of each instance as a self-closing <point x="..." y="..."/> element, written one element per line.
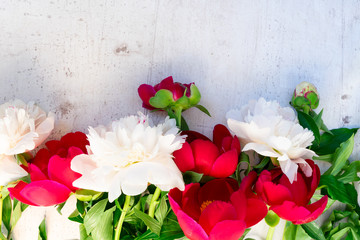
<point x="84" y="60"/>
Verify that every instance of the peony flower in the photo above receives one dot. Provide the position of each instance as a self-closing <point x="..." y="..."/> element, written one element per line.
<point x="50" y="173"/>
<point x="217" y="159"/>
<point x="9" y="170"/>
<point x="273" y="131"/>
<point x="290" y="201"/>
<point x="128" y="155"/>
<point x="167" y="93"/>
<point x="217" y="210"/>
<point x="23" y="127"/>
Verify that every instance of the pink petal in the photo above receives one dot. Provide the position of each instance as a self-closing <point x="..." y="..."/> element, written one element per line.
<point x="291" y="212"/>
<point x="184" y="158"/>
<point x="228" y="229"/>
<point x="190" y="227"/>
<point x="146" y="92"/>
<point x="175" y="199"/>
<point x="15" y="192"/>
<point x="256" y="210"/>
<point x="45" y="193"/>
<point x="298" y="189"/>
<point x="205" y="154"/>
<point x="60" y="171"/>
<point x="216" y="212"/>
<point x="316" y="209"/>
<point x="190" y="203"/>
<point x="35" y="173"/>
<point x="225" y="165"/>
<point x="219" y="133"/>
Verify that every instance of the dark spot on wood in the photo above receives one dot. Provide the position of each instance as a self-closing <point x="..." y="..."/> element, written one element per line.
<point x="123" y="49"/>
<point x="80" y="19"/>
<point x="345" y="96"/>
<point x="65" y="108"/>
<point x="346" y="119"/>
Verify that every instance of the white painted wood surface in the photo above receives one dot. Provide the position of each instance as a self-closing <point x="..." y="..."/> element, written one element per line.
<point x="85" y="59"/>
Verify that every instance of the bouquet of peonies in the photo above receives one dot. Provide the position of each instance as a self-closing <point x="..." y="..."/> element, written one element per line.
<point x="134" y="179"/>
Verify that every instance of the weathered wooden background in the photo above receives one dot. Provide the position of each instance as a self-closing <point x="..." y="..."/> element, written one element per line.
<point x="84" y="60"/>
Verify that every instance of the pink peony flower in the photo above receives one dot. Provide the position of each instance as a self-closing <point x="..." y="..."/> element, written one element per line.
<point x="217" y="210"/>
<point x="290" y="201"/>
<point x="50" y="173"/>
<point x="218" y="158"/>
<point x="174" y="91"/>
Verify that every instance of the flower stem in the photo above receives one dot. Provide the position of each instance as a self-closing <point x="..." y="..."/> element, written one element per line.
<point x="270" y="233"/>
<point x="153" y="202"/>
<point x="122" y="217"/>
<point x="1" y="206"/>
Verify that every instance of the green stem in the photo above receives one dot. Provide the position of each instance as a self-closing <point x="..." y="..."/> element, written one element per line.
<point x="270" y="233"/>
<point x="153" y="202"/>
<point x="122" y="217"/>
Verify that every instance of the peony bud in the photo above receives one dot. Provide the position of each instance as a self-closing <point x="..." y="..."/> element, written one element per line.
<point x="305" y="97"/>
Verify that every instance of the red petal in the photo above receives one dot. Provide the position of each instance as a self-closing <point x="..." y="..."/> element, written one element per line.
<point x="175" y="199"/>
<point x="145" y="93"/>
<point x="316" y="209"/>
<point x="216" y="212"/>
<point x="35" y="173"/>
<point x="226" y="144"/>
<point x="290" y="211"/>
<point x="238" y="200"/>
<point x="247" y="184"/>
<point x="177" y="91"/>
<point x="228" y="229"/>
<point x="298" y="189"/>
<point x="219" y="133"/>
<point x="256" y="210"/>
<point x="76" y="139"/>
<point x="225" y="165"/>
<point x="184" y="158"/>
<point x="205" y="154"/>
<point x="218" y="189"/>
<point x="60" y="171"/>
<point x="15" y="192"/>
<point x="190" y="203"/>
<point x="41" y="159"/>
<point x="313" y="181"/>
<point x="192" y="135"/>
<point x="236" y="144"/>
<point x="275" y="194"/>
<point x="53" y="146"/>
<point x="167" y="83"/>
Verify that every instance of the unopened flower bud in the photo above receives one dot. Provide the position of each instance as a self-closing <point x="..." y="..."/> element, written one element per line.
<point x="305" y="97"/>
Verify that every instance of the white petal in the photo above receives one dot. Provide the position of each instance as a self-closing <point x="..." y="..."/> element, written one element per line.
<point x="10" y="170"/>
<point x="289" y="168"/>
<point x="261" y="149"/>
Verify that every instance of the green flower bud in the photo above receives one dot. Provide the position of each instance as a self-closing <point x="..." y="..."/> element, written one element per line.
<point x="306" y="97"/>
<point x="87" y="195"/>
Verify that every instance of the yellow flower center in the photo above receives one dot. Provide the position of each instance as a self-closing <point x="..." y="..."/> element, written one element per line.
<point x="205" y="204"/>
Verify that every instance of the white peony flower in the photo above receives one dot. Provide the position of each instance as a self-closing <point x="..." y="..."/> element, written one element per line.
<point x="273" y="131"/>
<point x="10" y="170"/>
<point x="23" y="127"/>
<point x="129" y="154"/>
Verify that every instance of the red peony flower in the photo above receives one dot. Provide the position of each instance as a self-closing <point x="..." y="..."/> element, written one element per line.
<point x="175" y="92"/>
<point x="218" y="158"/>
<point x="50" y="173"/>
<point x="217" y="210"/>
<point x="289" y="201"/>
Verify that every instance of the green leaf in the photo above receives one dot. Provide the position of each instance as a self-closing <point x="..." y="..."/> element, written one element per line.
<point x="93" y="217"/>
<point x="313" y="231"/>
<point x="2" y="237"/>
<point x="192" y="177"/>
<point x="326" y="158"/>
<point x="60" y="207"/>
<point x="184" y="125"/>
<point x="104" y="229"/>
<point x="350" y="173"/>
<point x="341" y="155"/>
<point x="308" y="122"/>
<point x="149" y="221"/>
<point x="15" y="216"/>
<point x="42" y="231"/>
<point x="330" y="142"/>
<point x="263" y="163"/>
<point x="295" y="232"/>
<point x="80" y="206"/>
<point x="337" y="190"/>
<point x="7" y="211"/>
<point x="161" y="211"/>
<point x="340" y="234"/>
<point x="147" y="235"/>
<point x="75" y="217"/>
<point x="330" y="201"/>
<point x="203" y="109"/>
<point x="87" y="195"/>
<point x="162" y="99"/>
